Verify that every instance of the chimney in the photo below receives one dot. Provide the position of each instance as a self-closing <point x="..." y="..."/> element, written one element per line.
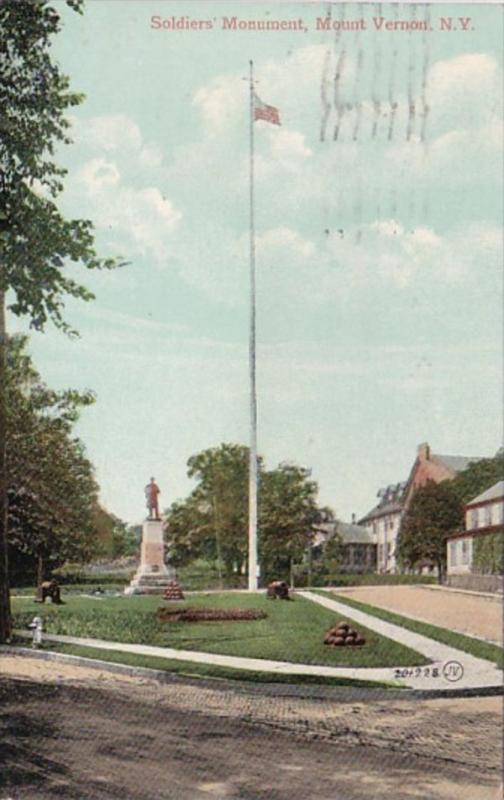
<point x="354" y="519"/>
<point x="423" y="452"/>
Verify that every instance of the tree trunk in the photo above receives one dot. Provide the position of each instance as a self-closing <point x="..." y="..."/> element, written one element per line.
<point x="291" y="571"/>
<point x="217" y="542"/>
<point x="5" y="616"/>
<point x="40" y="574"/>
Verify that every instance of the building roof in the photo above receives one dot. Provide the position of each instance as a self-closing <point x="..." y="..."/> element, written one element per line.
<point x="391" y="501"/>
<point x="380" y="510"/>
<point x="350" y="532"/>
<point x="393" y="498"/>
<point x="495" y="492"/>
<point x="456" y="463"/>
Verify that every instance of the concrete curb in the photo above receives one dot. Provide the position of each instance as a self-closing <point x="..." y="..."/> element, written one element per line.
<point x="346" y="693"/>
<point x="498" y="596"/>
<point x="431" y="587"/>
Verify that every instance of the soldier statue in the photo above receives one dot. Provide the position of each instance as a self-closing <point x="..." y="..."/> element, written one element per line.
<point x="151" y="495"/>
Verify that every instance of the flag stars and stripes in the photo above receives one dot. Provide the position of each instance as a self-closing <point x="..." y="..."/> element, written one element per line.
<point x="265" y="112"/>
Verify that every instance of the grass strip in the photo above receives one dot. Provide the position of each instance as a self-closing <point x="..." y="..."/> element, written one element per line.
<point x="477" y="648"/>
<point x="190" y="669"/>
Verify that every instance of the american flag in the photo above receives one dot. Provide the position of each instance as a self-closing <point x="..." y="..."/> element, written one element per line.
<point x="267" y="113"/>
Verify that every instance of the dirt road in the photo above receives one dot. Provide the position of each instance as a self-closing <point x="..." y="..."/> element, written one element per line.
<point x="73" y="733"/>
<point x="470" y="614"/>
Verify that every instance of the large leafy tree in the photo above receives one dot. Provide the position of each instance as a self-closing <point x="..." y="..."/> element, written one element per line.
<point x="289" y="516"/>
<point x="434" y="512"/>
<point x="52" y="492"/>
<point x="212" y="521"/>
<point x="37" y="244"/>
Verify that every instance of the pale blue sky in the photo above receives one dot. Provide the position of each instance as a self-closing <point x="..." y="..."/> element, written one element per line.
<point x="379" y="279"/>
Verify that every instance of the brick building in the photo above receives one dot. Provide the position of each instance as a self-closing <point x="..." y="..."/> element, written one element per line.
<point x="383" y="522"/>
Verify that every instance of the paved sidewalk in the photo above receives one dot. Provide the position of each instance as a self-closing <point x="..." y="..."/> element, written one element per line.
<point x="382" y="675"/>
<point x="477" y="672"/>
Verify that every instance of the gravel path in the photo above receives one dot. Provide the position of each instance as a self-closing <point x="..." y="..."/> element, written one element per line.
<point x="470" y="614"/>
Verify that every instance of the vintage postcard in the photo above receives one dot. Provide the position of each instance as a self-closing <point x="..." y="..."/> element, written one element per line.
<point x="251" y="462"/>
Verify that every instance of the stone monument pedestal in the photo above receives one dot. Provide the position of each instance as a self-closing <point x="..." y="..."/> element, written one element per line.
<point x="152" y="576"/>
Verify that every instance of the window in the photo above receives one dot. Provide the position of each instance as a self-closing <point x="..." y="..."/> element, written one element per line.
<point x="453" y="554"/>
<point x="474" y="518"/>
<point x="465" y="551"/>
<point x="488" y="515"/>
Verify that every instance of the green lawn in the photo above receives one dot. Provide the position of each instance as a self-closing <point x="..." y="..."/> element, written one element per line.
<point x="475" y="647"/>
<point x="293" y="631"/>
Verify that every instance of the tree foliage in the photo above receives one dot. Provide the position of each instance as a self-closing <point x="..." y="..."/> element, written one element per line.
<point x="37" y="244"/>
<point x="52" y="492"/>
<point x="478" y="477"/>
<point x="488" y="553"/>
<point x="434" y="513"/>
<point x="212" y="522"/>
<point x="114" y="538"/>
<point x="289" y="516"/>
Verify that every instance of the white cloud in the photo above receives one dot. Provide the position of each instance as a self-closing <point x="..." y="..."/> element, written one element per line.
<point x="298" y="177"/>
<point x="98" y="174"/>
<point x="115" y="188"/>
<point x="151" y="156"/>
<point x="119" y="135"/>
<point x="220" y="102"/>
<point x="355" y="266"/>
<point x="290" y="149"/>
<point x="109" y="132"/>
<point x="464" y="89"/>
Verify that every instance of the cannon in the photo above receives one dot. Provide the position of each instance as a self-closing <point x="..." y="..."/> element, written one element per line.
<point x="277" y="590"/>
<point x="49" y="589"/>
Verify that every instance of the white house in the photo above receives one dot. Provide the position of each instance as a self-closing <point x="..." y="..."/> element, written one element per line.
<point x="383" y="523"/>
<point x="484" y="515"/>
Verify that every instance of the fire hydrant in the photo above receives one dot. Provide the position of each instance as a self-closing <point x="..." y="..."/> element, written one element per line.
<point x="36" y="628"/>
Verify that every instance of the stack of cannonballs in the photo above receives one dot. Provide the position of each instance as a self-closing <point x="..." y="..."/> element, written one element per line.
<point x="342" y="634"/>
<point x="173" y="591"/>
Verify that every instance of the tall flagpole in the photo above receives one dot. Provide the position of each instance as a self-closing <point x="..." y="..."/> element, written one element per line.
<point x="252" y="553"/>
